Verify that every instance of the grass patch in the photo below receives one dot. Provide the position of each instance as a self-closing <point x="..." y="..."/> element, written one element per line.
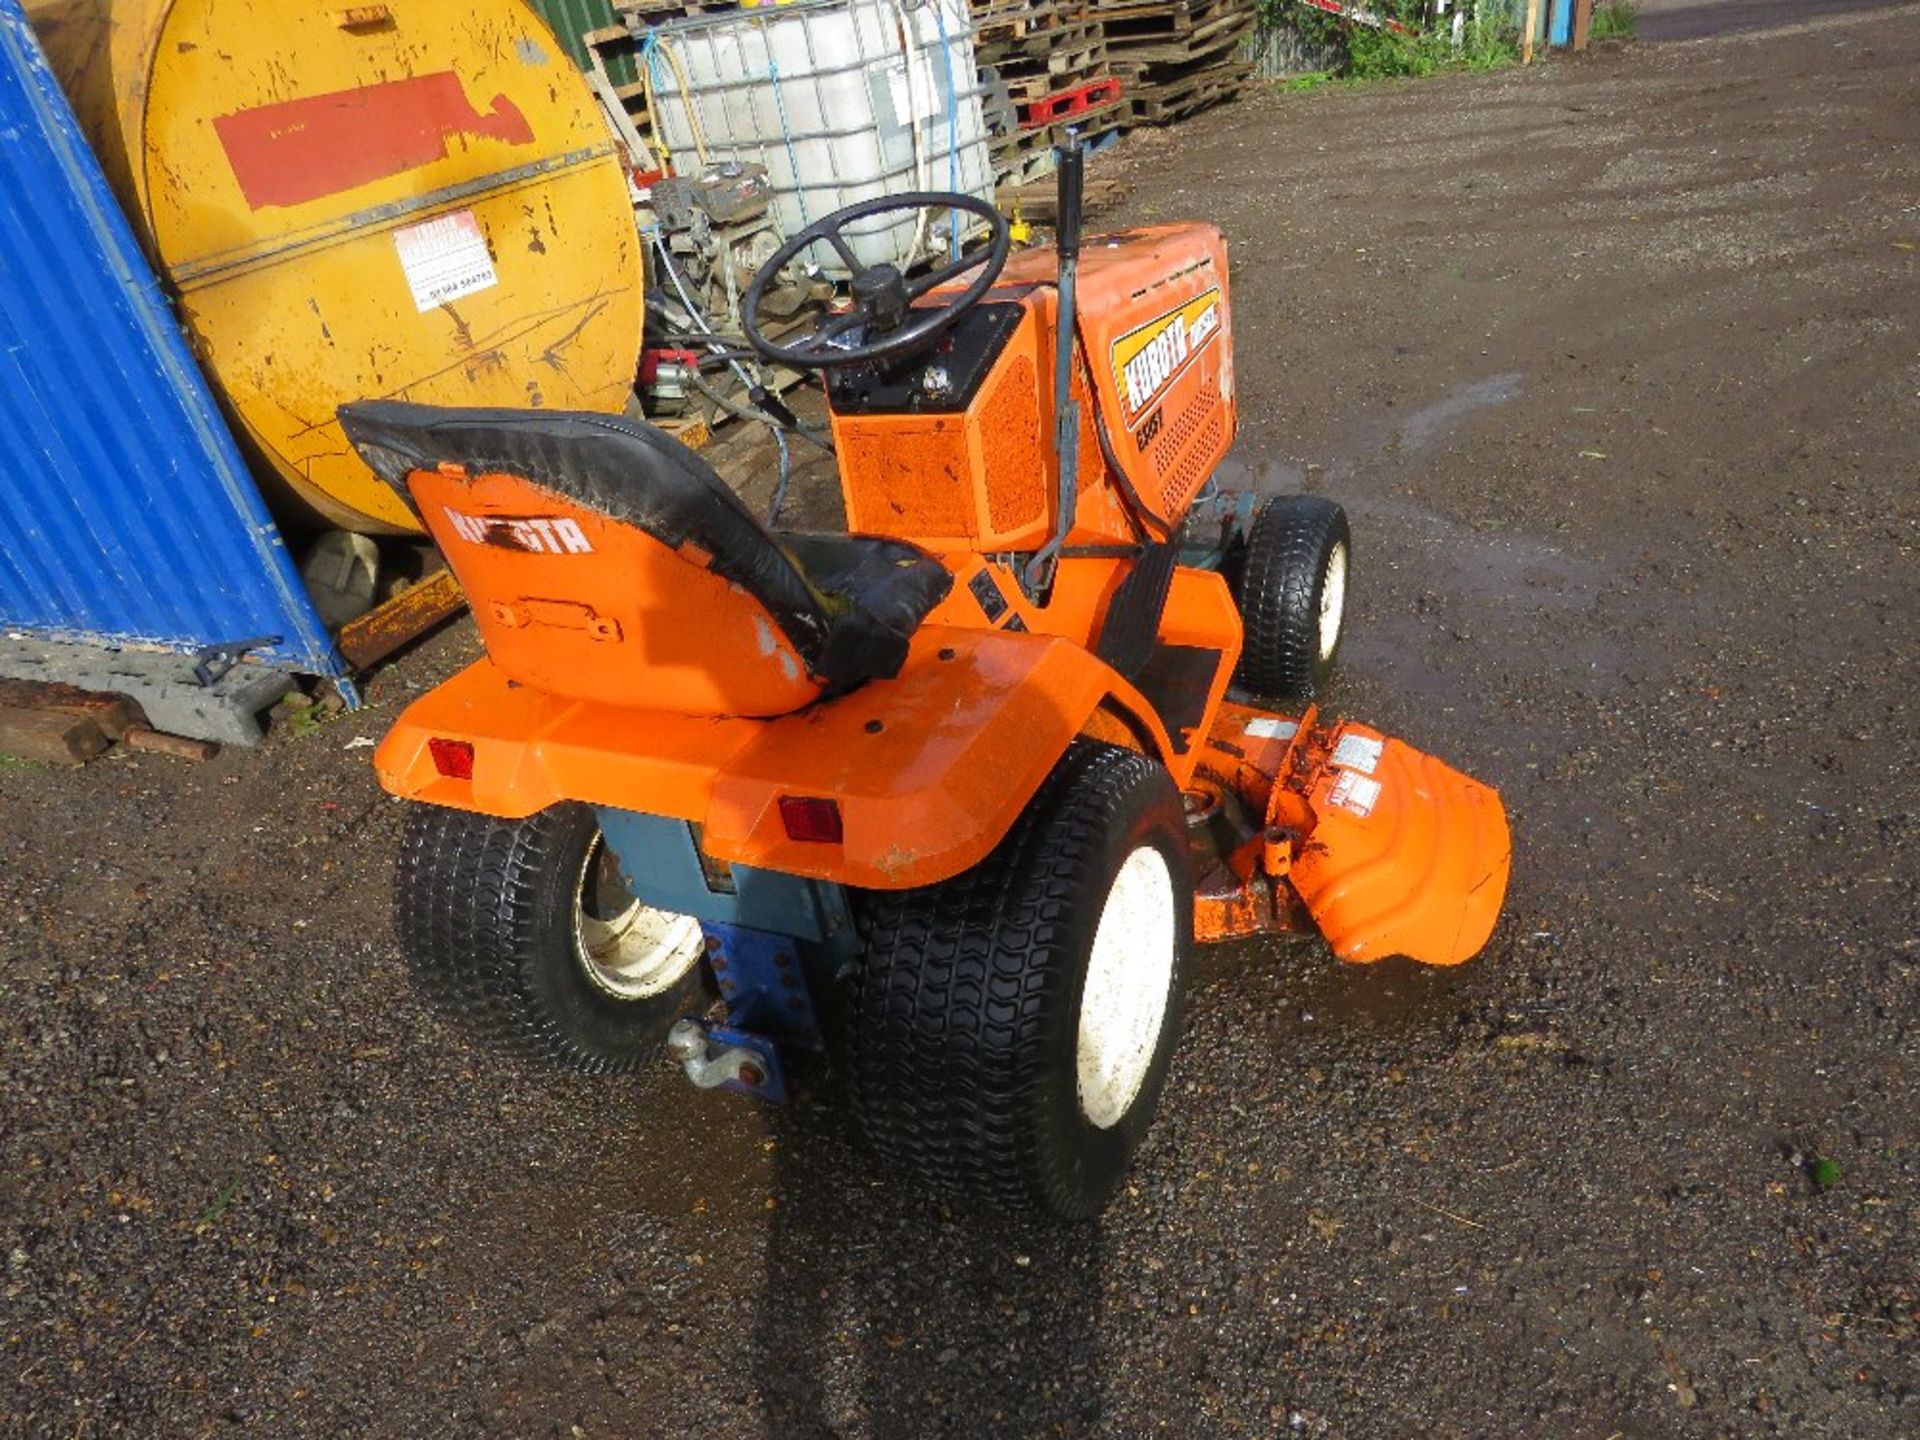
<point x="1614" y="20"/>
<point x="1383" y="55"/>
<point x="1311" y="81"/>
<point x="1362" y="52"/>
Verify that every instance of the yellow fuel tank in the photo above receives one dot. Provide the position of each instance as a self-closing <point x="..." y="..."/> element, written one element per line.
<point x="415" y="199"/>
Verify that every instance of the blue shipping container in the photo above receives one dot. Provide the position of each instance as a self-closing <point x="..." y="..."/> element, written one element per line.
<point x="127" y="516"/>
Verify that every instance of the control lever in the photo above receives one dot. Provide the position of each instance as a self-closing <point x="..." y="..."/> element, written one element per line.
<point x="1071" y="161"/>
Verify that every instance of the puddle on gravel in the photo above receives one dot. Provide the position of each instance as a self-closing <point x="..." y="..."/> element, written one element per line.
<point x="1239" y="473"/>
<point x="1419" y="430"/>
<point x="1512" y="593"/>
<point x="681" y="1154"/>
<point x="1354" y="464"/>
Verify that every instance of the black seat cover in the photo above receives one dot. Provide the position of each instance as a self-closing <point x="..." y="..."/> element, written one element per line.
<point x="848" y="603"/>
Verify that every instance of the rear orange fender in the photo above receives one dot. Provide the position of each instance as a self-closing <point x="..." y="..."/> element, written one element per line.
<point x="929" y="769"/>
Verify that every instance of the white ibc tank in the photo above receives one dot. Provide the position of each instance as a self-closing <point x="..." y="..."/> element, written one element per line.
<point x="841" y="100"/>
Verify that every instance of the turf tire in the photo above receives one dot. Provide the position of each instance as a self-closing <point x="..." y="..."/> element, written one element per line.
<point x="1284" y="577"/>
<point x="486" y="914"/>
<point x="964" y="1015"/>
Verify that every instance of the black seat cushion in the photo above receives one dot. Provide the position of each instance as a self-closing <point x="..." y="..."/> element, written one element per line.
<point x="848" y="603"/>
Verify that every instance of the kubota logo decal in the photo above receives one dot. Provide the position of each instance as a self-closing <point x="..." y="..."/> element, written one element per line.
<point x="1146" y="358"/>
<point x="539" y="534"/>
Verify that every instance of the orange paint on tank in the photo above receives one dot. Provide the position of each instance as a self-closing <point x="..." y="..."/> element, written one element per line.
<point x="320" y="145"/>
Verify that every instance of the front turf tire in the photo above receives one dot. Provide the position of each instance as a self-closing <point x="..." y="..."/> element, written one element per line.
<point x="522" y="928"/>
<point x="1292" y="595"/>
<point x="1010" y="1028"/>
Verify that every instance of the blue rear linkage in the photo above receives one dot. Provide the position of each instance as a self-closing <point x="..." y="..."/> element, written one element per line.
<point x="774" y="941"/>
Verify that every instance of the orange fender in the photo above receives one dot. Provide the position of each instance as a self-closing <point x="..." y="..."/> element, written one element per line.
<point x="929" y="769"/>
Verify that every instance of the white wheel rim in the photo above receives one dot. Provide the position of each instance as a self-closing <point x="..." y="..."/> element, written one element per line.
<point x="1333" y="600"/>
<point x="632" y="951"/>
<point x="1129" y="982"/>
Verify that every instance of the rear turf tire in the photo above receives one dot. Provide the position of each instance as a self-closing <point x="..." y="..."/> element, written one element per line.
<point x="523" y="928"/>
<point x="1292" y="596"/>
<point x="1010" y="1028"/>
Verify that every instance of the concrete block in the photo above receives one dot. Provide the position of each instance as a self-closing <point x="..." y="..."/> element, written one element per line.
<point x="161" y="682"/>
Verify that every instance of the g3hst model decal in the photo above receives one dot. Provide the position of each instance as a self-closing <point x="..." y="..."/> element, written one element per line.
<point x="538" y="534"/>
<point x="1146" y="358"/>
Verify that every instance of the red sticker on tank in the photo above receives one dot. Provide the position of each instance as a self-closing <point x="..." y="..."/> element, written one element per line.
<point x="301" y="150"/>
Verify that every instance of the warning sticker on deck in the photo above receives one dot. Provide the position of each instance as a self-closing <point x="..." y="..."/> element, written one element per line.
<point x="1354" y="793"/>
<point x="1271" y="727"/>
<point x="445" y="258"/>
<point x="1357" y="752"/>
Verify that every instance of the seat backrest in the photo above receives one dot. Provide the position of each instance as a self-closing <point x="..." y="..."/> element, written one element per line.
<point x="604" y="560"/>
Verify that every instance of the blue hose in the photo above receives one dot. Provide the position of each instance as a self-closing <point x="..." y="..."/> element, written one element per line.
<point x="953" y="122"/>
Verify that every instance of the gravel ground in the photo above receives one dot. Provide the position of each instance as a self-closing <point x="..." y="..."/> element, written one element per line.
<point x="1693" y="19"/>
<point x="1613" y="362"/>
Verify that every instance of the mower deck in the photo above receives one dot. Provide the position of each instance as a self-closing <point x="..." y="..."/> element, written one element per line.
<point x="1381" y="848"/>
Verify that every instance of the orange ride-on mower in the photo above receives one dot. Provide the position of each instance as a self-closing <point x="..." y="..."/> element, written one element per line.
<point x="973" y="777"/>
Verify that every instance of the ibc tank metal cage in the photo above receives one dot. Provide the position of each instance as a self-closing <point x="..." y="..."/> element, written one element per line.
<point x="841" y="100"/>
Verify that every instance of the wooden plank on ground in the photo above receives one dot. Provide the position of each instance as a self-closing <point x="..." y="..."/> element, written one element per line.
<point x="1040" y="199"/>
<point x="60" y="724"/>
<point x="392" y="623"/>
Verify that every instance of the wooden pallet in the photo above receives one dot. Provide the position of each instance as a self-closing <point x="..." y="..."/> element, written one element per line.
<point x="1219" y="54"/>
<point x="1072" y="55"/>
<point x="612" y="52"/>
<point x="1092" y="126"/>
<point x="652" y="12"/>
<point x="1015" y="168"/>
<point x="1001" y="25"/>
<point x="1040" y="200"/>
<point x="1091" y="97"/>
<point x="1223" y="31"/>
<point x="1065" y="35"/>
<point x="1123" y="19"/>
<point x="1164" y="63"/>
<point x="1186" y="95"/>
<point x="1008" y="142"/>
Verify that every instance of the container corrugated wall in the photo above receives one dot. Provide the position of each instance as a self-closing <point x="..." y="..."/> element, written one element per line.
<point x="570" y="19"/>
<point x="126" y="514"/>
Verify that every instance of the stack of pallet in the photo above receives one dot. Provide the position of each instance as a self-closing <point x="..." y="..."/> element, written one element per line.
<point x="1096" y="66"/>
<point x="1175" y="58"/>
<point x="1043" y="70"/>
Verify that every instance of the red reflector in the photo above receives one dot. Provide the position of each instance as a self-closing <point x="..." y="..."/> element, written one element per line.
<point x="452" y="758"/>
<point x="809" y="819"/>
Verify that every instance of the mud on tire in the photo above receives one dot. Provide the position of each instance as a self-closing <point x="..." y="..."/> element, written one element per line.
<point x="499" y="919"/>
<point x="970" y="1066"/>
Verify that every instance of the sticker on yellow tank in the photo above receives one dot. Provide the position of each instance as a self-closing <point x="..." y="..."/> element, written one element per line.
<point x="1148" y="357"/>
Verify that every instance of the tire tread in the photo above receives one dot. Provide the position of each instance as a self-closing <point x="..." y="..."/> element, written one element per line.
<point x="948" y="1055"/>
<point x="473" y="896"/>
<point x="1280" y="599"/>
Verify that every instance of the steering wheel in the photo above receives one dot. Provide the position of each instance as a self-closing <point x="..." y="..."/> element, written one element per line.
<point x="882" y="296"/>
